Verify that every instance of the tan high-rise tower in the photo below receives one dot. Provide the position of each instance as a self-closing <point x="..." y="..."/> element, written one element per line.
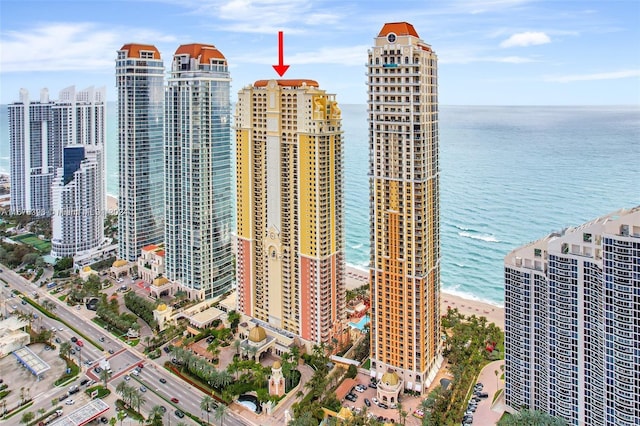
<point x="289" y="174"/>
<point x="405" y="212"/>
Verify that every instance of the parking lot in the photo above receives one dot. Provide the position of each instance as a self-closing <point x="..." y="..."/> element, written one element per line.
<point x="408" y="403"/>
<point x="19" y="379"/>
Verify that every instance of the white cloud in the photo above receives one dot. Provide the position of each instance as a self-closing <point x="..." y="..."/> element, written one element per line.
<point x="468" y="56"/>
<point x="347" y="56"/>
<point x="528" y="38"/>
<point x="613" y="75"/>
<point x="267" y="16"/>
<point x="67" y="46"/>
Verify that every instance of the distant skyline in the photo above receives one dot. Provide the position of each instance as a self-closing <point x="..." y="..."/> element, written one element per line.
<point x="491" y="52"/>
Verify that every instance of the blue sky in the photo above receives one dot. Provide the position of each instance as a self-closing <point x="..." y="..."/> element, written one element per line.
<point x="491" y="52"/>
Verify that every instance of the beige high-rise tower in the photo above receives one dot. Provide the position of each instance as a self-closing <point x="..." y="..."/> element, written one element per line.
<point x="289" y="174"/>
<point x="405" y="213"/>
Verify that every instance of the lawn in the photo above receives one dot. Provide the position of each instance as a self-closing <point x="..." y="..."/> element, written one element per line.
<point x="32" y="240"/>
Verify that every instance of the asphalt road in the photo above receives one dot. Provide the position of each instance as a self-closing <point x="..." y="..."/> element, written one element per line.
<point x="122" y="362"/>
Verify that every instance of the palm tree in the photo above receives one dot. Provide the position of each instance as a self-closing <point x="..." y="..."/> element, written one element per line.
<point x="206" y="404"/>
<point x="104" y="376"/>
<point x="140" y="400"/>
<point x="65" y="349"/>
<point x="155" y="416"/>
<point x="236" y="346"/>
<point x="253" y="351"/>
<point x="121" y="416"/>
<point x="221" y="411"/>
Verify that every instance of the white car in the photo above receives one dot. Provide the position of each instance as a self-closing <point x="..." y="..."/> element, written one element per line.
<point x="375" y="400"/>
<point x="360" y="388"/>
<point x="120" y="280"/>
<point x="60" y="329"/>
<point x="70" y="402"/>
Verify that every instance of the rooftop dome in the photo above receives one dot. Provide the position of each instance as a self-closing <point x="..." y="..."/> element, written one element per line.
<point x="86" y="269"/>
<point x="276" y="365"/>
<point x="162" y="307"/>
<point x="120" y="262"/>
<point x="390" y="378"/>
<point x="257" y="334"/>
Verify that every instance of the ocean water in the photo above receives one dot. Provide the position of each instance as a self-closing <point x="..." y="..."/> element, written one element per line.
<point x="509" y="175"/>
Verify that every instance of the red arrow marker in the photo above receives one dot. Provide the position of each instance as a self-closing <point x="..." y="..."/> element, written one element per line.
<point x="281" y="68"/>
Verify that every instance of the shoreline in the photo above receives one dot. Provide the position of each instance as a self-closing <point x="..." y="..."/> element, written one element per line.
<point x="357" y="277"/>
<point x="468" y="306"/>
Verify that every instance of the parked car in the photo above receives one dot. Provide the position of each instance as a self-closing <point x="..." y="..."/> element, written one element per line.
<point x="373" y="385"/>
<point x="80" y="343"/>
<point x="101" y="339"/>
<point x="143" y="388"/>
<point x="70" y="402"/>
<point x="179" y="413"/>
<point x="375" y="400"/>
<point x="175" y="400"/>
<point x="104" y="420"/>
<point x="360" y="388"/>
<point x="84" y="382"/>
<point x="111" y="351"/>
<point x="97" y="370"/>
<point x="383" y="405"/>
<point x="350" y="397"/>
<point x="367" y="402"/>
<point x="127" y="378"/>
<point x="483" y="395"/>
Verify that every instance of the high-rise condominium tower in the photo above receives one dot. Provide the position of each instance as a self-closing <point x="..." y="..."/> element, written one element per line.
<point x="289" y="174"/>
<point x="35" y="154"/>
<point x="405" y="207"/>
<point x="140" y="83"/>
<point x="197" y="157"/>
<point x="79" y="186"/>
<point x="572" y="323"/>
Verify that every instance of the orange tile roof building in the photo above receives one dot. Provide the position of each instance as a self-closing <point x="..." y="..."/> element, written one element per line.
<point x="405" y="213"/>
<point x="290" y="225"/>
<point x="197" y="160"/>
<point x="140" y="84"/>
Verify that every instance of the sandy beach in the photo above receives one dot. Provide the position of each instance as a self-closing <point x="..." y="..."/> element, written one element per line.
<point x="112" y="203"/>
<point x="357" y="277"/>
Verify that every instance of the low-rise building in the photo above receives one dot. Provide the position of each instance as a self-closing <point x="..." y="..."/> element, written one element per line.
<point x="12" y="335"/>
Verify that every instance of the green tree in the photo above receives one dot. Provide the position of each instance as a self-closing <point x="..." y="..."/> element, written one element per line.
<point x="206" y="404"/>
<point x="531" y="417"/>
<point x="220" y="413"/>
<point x="155" y="416"/>
<point x="104" y="376"/>
<point x="64" y="263"/>
<point x="352" y="371"/>
<point x="27" y="417"/>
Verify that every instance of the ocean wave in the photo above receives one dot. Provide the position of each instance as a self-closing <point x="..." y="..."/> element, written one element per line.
<point x="471" y="296"/>
<point x="487" y="238"/>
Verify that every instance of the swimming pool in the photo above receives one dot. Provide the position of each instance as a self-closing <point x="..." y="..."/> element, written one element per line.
<point x="251" y="402"/>
<point x="360" y="324"/>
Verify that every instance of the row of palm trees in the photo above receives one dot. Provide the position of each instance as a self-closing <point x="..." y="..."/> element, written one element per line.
<point x="130" y="395"/>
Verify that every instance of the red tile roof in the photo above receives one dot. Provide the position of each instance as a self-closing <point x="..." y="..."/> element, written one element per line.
<point x="345" y="388"/>
<point x="287" y="83"/>
<point x="150" y="247"/>
<point x="160" y="253"/>
<point x="134" y="50"/>
<point x="399" y="28"/>
<point x="204" y="52"/>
